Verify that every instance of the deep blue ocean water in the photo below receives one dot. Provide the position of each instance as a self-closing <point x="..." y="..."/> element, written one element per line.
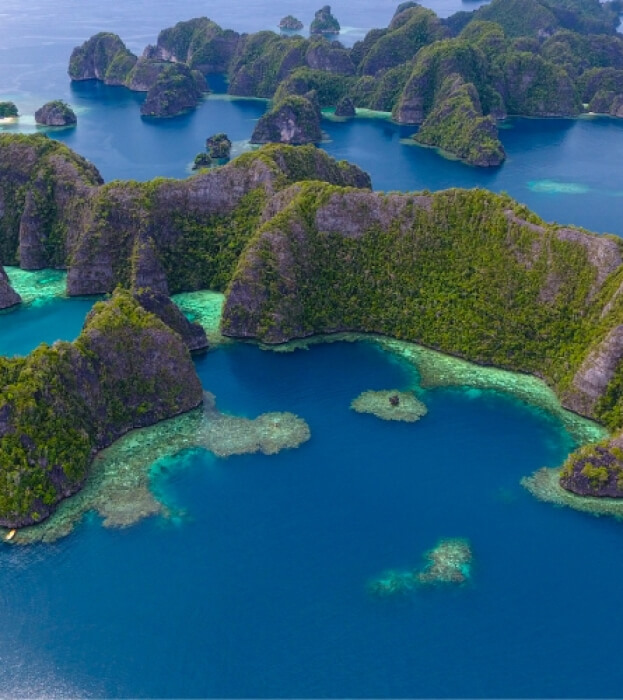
<point x="261" y="590"/>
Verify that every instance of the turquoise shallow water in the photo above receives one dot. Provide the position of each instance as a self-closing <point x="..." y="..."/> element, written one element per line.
<point x="260" y="589"/>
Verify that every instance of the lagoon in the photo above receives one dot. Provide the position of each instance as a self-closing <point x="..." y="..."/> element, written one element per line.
<point x="258" y="586"/>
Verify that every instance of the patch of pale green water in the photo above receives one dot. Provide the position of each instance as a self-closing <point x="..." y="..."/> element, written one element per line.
<point x="555" y="187"/>
<point x="122" y="484"/>
<point x="205" y="308"/>
<point x="224" y="97"/>
<point x="37" y="285"/>
<point x="544" y="485"/>
<point x="437" y="370"/>
<point x="390" y="405"/>
<point x="439" y="151"/>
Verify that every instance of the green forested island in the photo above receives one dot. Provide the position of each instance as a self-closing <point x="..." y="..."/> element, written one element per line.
<point x="300" y="246"/>
<point x="454" y="77"/>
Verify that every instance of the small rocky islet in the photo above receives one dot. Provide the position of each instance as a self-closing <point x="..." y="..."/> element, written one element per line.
<point x="56" y="113"/>
<point x="453" y="77"/>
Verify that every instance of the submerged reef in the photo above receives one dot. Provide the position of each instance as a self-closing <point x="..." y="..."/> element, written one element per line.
<point x="449" y="562"/>
<point x="205" y="308"/>
<point x="226" y="435"/>
<point x="37" y="285"/>
<point x="390" y="405"/>
<point x="121" y="486"/>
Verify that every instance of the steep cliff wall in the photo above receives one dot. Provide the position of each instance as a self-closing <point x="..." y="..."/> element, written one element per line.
<point x="44" y="187"/>
<point x="467" y="272"/>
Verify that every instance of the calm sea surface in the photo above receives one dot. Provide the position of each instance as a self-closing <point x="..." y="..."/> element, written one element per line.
<point x="261" y="589"/>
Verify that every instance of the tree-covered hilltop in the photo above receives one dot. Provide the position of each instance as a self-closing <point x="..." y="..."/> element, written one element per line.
<point x="529" y="58"/>
<point x="294" y="120"/>
<point x="469" y="273"/>
<point x="61" y="404"/>
<point x="169" y="235"/>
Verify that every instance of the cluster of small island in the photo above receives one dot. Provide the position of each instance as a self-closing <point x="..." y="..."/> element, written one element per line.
<point x="300" y="244"/>
<point x="454" y="77"/>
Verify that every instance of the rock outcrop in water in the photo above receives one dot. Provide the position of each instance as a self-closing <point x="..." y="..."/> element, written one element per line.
<point x="176" y="90"/>
<point x="218" y="146"/>
<point x="7" y="110"/>
<point x="289" y="23"/>
<point x="456" y="124"/>
<point x="294" y="120"/>
<point x="595" y="470"/>
<point x="55" y="113"/>
<point x="324" y="22"/>
<point x="102" y="57"/>
<point x="8" y="296"/>
<point x="61" y="404"/>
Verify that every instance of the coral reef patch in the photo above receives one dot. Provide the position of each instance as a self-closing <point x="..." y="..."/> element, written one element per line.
<point x="205" y="308"/>
<point x="390" y="405"/>
<point x="120" y="485"/>
<point x="226" y="435"/>
<point x="449" y="562"/>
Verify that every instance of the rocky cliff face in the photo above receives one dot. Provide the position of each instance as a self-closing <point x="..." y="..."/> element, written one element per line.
<point x="469" y="273"/>
<point x="44" y="187"/>
<point x="160" y="305"/>
<point x="8" y="296"/>
<point x="60" y="405"/>
<point x="167" y="235"/>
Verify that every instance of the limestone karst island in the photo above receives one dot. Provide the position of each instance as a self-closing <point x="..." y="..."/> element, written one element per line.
<point x="470" y="273"/>
<point x="311" y="349"/>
